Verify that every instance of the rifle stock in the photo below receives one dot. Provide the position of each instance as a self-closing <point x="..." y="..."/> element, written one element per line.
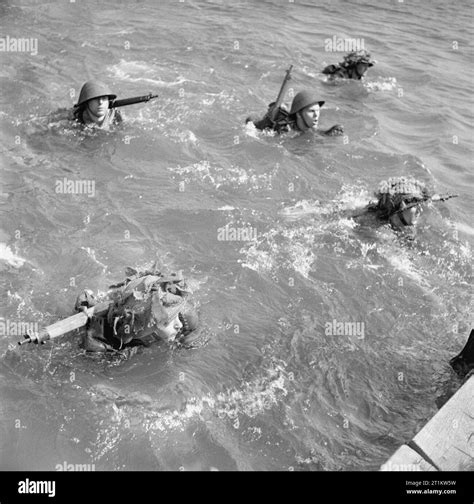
<point x="275" y="107"/>
<point x="67" y="325"/>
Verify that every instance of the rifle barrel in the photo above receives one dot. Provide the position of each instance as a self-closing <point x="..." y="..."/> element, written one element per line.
<point x="132" y="101"/>
<point x="443" y="197"/>
<point x="435" y="197"/>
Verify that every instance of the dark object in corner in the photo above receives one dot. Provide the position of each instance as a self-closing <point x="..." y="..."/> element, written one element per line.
<point x="464" y="362"/>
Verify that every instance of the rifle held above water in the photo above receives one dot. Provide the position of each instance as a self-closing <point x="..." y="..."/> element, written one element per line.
<point x="67" y="325"/>
<point x="373" y="205"/>
<point x="270" y="118"/>
<point x="435" y="197"/>
<point x="275" y="107"/>
<point x="132" y="101"/>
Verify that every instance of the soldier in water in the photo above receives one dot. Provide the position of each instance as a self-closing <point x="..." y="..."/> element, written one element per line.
<point x="354" y="66"/>
<point x="147" y="307"/>
<point x="303" y="116"/>
<point x="400" y="201"/>
<point x="93" y="106"/>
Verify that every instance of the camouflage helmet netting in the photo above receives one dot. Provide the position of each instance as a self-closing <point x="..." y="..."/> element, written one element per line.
<point x="145" y="302"/>
<point x="392" y="192"/>
<point x="355" y="57"/>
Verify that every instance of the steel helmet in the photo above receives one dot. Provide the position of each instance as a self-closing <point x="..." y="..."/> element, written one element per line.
<point x="304" y="99"/>
<point x="94" y="89"/>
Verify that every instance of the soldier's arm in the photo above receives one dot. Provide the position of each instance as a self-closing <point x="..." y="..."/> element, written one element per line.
<point x="277" y="125"/>
<point x="335" y="130"/>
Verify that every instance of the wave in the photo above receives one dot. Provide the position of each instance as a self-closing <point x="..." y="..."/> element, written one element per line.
<point x="9" y="257"/>
<point x="140" y="71"/>
<point x="313" y="229"/>
<point x="142" y="414"/>
<point x="381" y="84"/>
<point x="219" y="176"/>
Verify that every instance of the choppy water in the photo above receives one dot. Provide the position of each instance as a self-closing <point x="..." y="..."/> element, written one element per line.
<point x="272" y="389"/>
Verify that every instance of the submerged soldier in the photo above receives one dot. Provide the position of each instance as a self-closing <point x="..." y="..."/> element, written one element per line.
<point x="354" y="66"/>
<point x="93" y="106"/>
<point x="146" y="307"/>
<point x="302" y="116"/>
<point x="400" y="201"/>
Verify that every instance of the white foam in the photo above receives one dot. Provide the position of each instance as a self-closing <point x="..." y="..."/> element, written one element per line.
<point x="302" y="209"/>
<point x="350" y="198"/>
<point x="91" y="253"/>
<point x="251" y="130"/>
<point x="8" y="256"/>
<point x="138" y="71"/>
<point x="400" y="260"/>
<point x="381" y="84"/>
<point x="251" y="399"/>
<point x="219" y="176"/>
<point x="464" y="228"/>
<point x="295" y="251"/>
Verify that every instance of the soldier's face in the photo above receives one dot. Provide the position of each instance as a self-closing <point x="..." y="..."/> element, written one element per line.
<point x="410" y="215"/>
<point x="171" y="330"/>
<point x="310" y="116"/>
<point x="99" y="106"/>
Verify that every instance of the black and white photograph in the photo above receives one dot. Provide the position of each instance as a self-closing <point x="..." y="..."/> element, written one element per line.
<point x="236" y="236"/>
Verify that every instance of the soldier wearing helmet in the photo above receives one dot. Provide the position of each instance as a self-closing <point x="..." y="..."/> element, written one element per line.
<point x="354" y="66"/>
<point x="302" y="116"/>
<point x="399" y="201"/>
<point x="148" y="306"/>
<point x="92" y="108"/>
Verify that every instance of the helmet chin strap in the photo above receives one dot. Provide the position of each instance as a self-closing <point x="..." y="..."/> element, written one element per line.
<point x="402" y="219"/>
